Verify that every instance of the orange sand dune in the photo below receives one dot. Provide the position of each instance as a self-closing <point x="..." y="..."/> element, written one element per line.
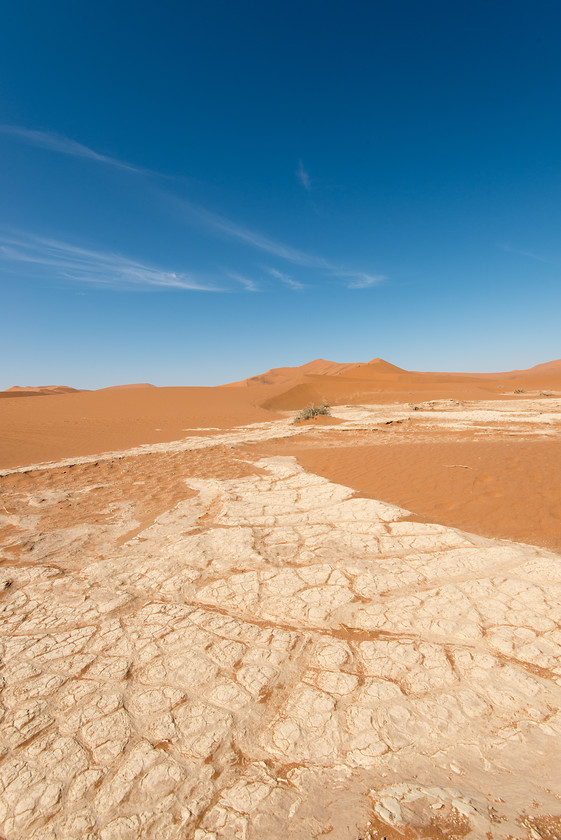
<point x="59" y="389"/>
<point x="36" y="390"/>
<point x="377" y="369"/>
<point x="127" y="387"/>
<point x="544" y="376"/>
<point x="278" y="376"/>
<point x="346" y="390"/>
<point x="378" y="381"/>
<point x="40" y="388"/>
<point x="547" y="368"/>
<point x="88" y="422"/>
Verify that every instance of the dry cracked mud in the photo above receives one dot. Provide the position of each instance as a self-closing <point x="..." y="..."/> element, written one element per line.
<point x="198" y="644"/>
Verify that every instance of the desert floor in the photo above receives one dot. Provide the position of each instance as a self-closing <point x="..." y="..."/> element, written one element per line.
<point x="218" y="625"/>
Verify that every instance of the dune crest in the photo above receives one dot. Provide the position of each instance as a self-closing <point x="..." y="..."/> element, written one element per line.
<point x="127" y="387"/>
<point x="118" y="417"/>
<point x="380" y="381"/>
<point x="28" y="388"/>
<point x="37" y="390"/>
<point x="278" y="376"/>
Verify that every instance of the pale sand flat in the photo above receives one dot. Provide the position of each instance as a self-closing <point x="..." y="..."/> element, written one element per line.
<point x="202" y="644"/>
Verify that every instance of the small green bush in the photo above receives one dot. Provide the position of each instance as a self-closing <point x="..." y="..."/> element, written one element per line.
<point x="312" y="411"/>
<point x="519" y="391"/>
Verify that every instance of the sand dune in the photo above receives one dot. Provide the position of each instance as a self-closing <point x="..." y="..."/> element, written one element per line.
<point x="33" y="388"/>
<point x="378" y="381"/>
<point x="553" y="367"/>
<point x="385" y="387"/>
<point x="37" y="390"/>
<point x="85" y="422"/>
<point x="127" y="387"/>
<point x="379" y="368"/>
<point x="279" y="376"/>
<point x="321" y="367"/>
<point x="375" y="370"/>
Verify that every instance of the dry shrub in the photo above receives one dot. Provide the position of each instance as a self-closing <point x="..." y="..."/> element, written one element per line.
<point x="312" y="411"/>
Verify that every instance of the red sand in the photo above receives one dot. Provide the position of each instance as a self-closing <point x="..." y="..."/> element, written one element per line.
<point x="509" y="489"/>
<point x="87" y="422"/>
<point x="37" y="390"/>
<point x="90" y="422"/>
<point x="512" y="488"/>
<point x="128" y="387"/>
<point x="288" y="389"/>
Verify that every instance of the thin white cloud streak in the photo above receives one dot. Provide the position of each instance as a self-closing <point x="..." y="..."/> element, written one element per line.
<point x="522" y="253"/>
<point x="248" y="284"/>
<point x="304" y="177"/>
<point x="212" y="221"/>
<point x="284" y="278"/>
<point x="60" y="260"/>
<point x="360" y="280"/>
<point x="63" y="145"/>
<point x="232" y="230"/>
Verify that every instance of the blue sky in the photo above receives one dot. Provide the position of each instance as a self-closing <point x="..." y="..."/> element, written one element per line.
<point x="193" y="193"/>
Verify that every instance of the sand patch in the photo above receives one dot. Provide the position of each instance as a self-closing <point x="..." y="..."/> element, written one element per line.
<point x="510" y="489"/>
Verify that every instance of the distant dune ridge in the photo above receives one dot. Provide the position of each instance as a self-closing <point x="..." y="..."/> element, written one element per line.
<point x="37" y="390"/>
<point x="277" y="376"/>
<point x="546" y="367"/>
<point x="547" y="374"/>
<point x="52" y="388"/>
<point x="380" y="369"/>
<point x="378" y="380"/>
<point x="319" y="367"/>
<point x="86" y="422"/>
<point x="127" y="387"/>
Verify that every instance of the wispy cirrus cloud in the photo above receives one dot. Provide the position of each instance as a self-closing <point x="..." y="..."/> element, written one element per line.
<point x="230" y="229"/>
<point x="361" y="280"/>
<point x="215" y="223"/>
<point x="248" y="284"/>
<point x="286" y="279"/>
<point x="304" y="177"/>
<point x="510" y="250"/>
<point x="63" y="261"/>
<point x="65" y="146"/>
<point x="224" y="227"/>
<point x="227" y="228"/>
